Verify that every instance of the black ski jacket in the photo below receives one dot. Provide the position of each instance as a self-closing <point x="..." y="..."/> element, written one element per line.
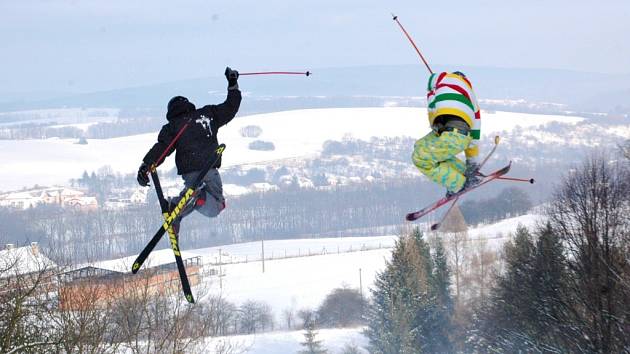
<point x="198" y="142"/>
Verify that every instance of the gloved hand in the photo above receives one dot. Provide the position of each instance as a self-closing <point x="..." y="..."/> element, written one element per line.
<point x="472" y="168"/>
<point x="232" y="78"/>
<point x="143" y="175"/>
<point x="471" y="174"/>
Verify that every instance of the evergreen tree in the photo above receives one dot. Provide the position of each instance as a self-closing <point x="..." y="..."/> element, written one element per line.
<point x="442" y="276"/>
<point x="556" y="324"/>
<point x="441" y="283"/>
<point x="503" y="318"/>
<point x="311" y="344"/>
<point x="527" y="309"/>
<point x="389" y="322"/>
<point x="407" y="312"/>
<point x="424" y="304"/>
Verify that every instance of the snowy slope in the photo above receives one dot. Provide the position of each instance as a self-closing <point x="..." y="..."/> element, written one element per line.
<point x="298" y="282"/>
<point x="303" y="282"/>
<point x="289" y="342"/>
<point x="496" y="234"/>
<point x="294" y="133"/>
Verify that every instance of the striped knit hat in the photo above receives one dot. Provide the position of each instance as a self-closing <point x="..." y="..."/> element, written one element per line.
<point x="452" y="94"/>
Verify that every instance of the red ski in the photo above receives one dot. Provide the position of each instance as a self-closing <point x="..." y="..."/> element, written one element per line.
<point x="487" y="178"/>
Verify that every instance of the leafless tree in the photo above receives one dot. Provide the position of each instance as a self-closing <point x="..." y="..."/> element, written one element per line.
<point x="221" y="314"/>
<point x="483" y="267"/>
<point x="255" y="316"/>
<point x="590" y="213"/>
<point x="289" y="315"/>
<point x="306" y="315"/>
<point x="159" y="322"/>
<point x="24" y="322"/>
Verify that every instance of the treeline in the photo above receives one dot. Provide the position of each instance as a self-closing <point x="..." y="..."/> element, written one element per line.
<point x="510" y="202"/>
<point x="563" y="287"/>
<point x="39" y="131"/>
<point x="291" y="212"/>
<point x="295" y="212"/>
<point x="82" y="235"/>
<point x="103" y="130"/>
<point x="125" y="127"/>
<point x="103" y="182"/>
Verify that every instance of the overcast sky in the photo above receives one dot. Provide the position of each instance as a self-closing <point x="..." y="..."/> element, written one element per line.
<point x="87" y="45"/>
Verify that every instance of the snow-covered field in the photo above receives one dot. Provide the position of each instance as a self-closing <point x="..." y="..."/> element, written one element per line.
<point x="304" y="282"/>
<point x="332" y="340"/>
<point x="301" y="282"/>
<point x="294" y="133"/>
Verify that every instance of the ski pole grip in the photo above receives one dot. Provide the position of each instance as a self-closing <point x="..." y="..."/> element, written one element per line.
<point x="496" y="140"/>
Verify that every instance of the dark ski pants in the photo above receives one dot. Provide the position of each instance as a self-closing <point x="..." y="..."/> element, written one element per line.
<point x="214" y="200"/>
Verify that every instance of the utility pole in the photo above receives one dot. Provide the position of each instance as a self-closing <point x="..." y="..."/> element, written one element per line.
<point x="360" y="284"/>
<point x="262" y="246"/>
<point x="220" y="272"/>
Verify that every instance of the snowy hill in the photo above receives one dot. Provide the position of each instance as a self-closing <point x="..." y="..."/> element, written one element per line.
<point x="299" y="273"/>
<point x="305" y="281"/>
<point x="294" y="134"/>
<point x="333" y="340"/>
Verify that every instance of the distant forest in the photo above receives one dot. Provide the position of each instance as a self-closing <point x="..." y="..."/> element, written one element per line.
<point x="291" y="212"/>
<point x="103" y="130"/>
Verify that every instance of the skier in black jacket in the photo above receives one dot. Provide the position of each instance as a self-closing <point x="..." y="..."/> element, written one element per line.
<point x="196" y="144"/>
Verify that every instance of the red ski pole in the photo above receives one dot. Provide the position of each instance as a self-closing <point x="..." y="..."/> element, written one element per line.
<point x="412" y="42"/>
<point x="308" y="73"/>
<point x="531" y="180"/>
<point x="168" y="148"/>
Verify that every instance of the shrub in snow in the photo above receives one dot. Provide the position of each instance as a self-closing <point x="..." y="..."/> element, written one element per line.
<point x="262" y="145"/>
<point x="251" y="131"/>
<point x="343" y="307"/>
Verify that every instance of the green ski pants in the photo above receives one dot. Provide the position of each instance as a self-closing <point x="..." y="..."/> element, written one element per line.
<point x="435" y="156"/>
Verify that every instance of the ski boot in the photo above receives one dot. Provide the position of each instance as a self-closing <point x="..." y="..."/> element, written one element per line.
<point x="471" y="174"/>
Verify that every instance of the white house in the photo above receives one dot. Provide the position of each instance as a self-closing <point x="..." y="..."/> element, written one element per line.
<point x="21" y="261"/>
<point x="62" y="196"/>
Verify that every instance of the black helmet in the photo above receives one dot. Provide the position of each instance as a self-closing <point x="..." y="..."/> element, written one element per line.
<point x="174" y="101"/>
<point x="177" y="106"/>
